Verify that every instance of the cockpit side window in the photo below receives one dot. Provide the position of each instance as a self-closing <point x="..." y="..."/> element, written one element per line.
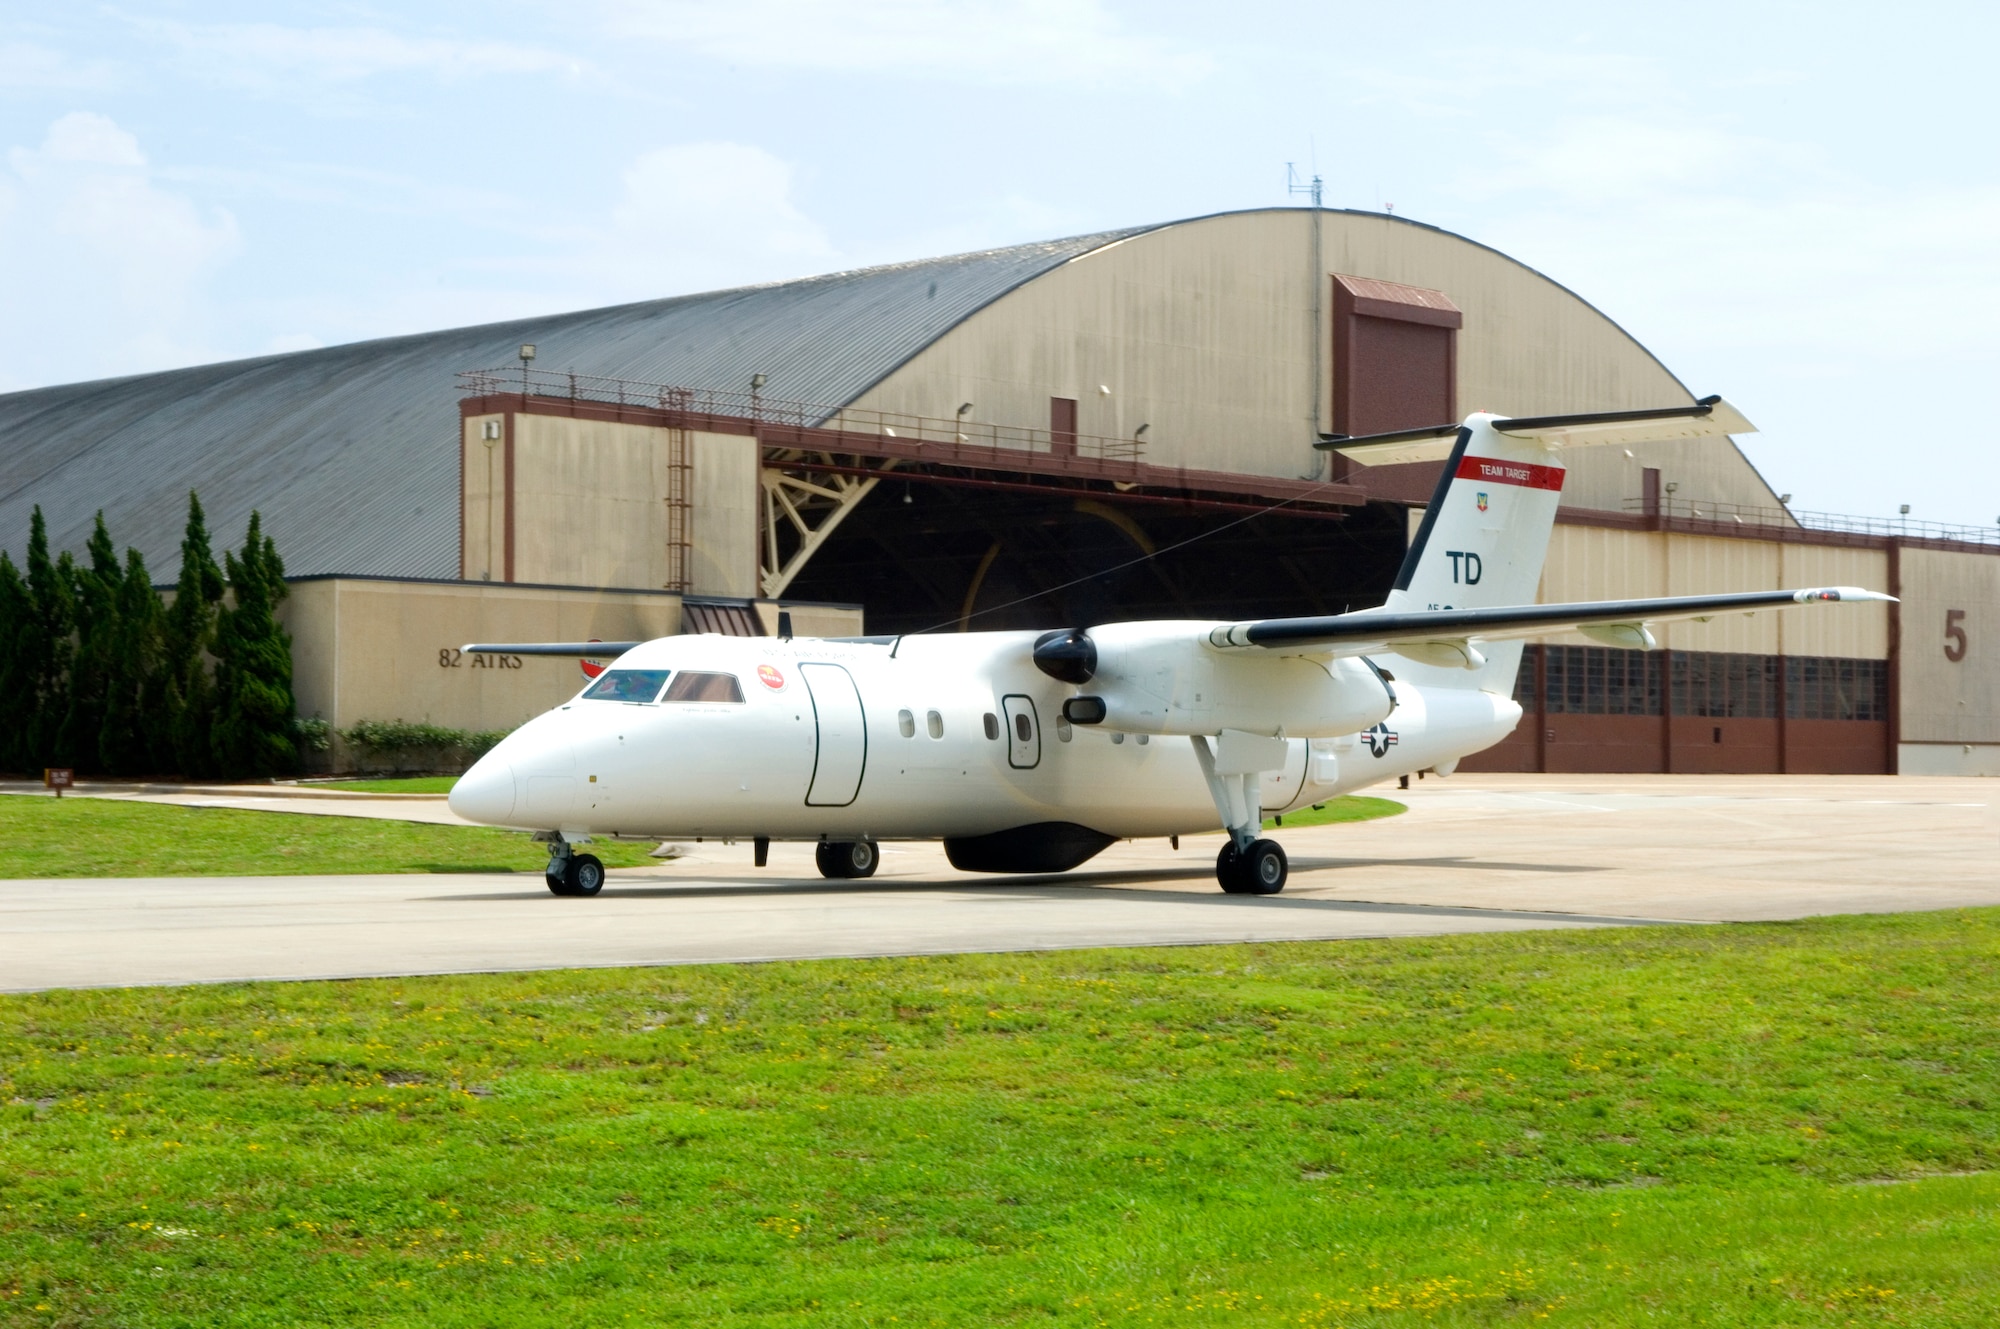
<point x="690" y="685"/>
<point x="633" y="685"/>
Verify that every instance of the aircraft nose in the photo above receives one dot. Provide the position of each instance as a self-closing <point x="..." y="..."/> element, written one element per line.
<point x="486" y="792"/>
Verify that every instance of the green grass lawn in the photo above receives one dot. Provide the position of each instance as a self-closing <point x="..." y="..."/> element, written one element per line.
<point x="101" y="837"/>
<point x="1787" y="1124"/>
<point x="1351" y="808"/>
<point x="401" y="784"/>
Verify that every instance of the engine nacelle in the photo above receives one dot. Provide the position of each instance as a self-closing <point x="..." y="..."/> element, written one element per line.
<point x="1164" y="678"/>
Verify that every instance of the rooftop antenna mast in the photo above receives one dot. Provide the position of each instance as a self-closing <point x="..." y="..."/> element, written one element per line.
<point x="1295" y="185"/>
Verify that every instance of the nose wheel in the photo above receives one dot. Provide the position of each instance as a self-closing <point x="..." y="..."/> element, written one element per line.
<point x="1260" y="869"/>
<point x="846" y="859"/>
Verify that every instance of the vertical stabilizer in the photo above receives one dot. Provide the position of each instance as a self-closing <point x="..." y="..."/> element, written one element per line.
<point x="1482" y="543"/>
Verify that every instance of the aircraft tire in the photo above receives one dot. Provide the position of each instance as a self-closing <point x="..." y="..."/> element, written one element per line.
<point x="557" y="886"/>
<point x="847" y="859"/>
<point x="1264" y="868"/>
<point x="1229" y="870"/>
<point x="585" y="875"/>
<point x="1259" y="870"/>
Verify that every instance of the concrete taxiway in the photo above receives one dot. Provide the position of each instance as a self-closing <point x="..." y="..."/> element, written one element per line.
<point x="1473" y="854"/>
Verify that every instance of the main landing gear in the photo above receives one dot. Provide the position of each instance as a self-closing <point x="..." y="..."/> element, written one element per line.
<point x="847" y="858"/>
<point x="570" y="873"/>
<point x="1247" y="865"/>
<point x="1259" y="870"/>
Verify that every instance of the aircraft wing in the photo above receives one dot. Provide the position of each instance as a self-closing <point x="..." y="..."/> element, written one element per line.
<point x="564" y="648"/>
<point x="1448" y="631"/>
<point x="1710" y="417"/>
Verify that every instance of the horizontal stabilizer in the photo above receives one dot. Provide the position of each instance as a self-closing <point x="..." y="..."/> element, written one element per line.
<point x="1448" y="630"/>
<point x="1711" y="417"/>
<point x="563" y="648"/>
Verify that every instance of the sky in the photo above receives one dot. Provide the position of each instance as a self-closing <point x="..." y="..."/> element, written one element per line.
<point x="1796" y="205"/>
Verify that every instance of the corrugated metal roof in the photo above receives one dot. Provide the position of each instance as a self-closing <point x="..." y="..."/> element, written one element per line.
<point x="349" y="451"/>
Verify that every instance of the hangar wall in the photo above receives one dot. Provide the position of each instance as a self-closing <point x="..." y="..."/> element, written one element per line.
<point x="1204" y="330"/>
<point x="1950" y="663"/>
<point x="383" y="649"/>
<point x="592" y="503"/>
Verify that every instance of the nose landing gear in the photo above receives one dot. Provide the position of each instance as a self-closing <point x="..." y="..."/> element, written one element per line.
<point x="848" y="858"/>
<point x="571" y="873"/>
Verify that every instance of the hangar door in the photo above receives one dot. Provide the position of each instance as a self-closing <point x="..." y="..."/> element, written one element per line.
<point x="843" y="738"/>
<point x="1395" y="366"/>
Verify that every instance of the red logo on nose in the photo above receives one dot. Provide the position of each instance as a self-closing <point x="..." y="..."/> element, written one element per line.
<point x="771" y="677"/>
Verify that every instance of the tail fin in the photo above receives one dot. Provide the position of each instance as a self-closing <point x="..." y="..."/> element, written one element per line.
<point x="1486" y="533"/>
<point x="1482" y="543"/>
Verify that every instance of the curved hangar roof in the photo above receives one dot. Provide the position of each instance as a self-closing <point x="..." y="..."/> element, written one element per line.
<point x="348" y="450"/>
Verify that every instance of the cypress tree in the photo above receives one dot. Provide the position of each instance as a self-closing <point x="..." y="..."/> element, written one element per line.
<point x="94" y="594"/>
<point x="132" y="685"/>
<point x="45" y="643"/>
<point x="253" y="665"/>
<point x="17" y="684"/>
<point x="185" y="711"/>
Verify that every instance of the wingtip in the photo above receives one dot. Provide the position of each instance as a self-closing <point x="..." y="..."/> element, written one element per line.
<point x="1844" y="593"/>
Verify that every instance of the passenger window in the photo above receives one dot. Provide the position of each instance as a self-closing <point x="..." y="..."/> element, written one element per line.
<point x="692" y="686"/>
<point x="992" y="725"/>
<point x="1063" y="730"/>
<point x="1022" y="729"/>
<point x="1144" y="739"/>
<point x="1118" y="738"/>
<point x="934" y="723"/>
<point x="906" y="724"/>
<point x="634" y="685"/>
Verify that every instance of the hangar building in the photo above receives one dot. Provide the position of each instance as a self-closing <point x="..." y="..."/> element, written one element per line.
<point x="1112" y="425"/>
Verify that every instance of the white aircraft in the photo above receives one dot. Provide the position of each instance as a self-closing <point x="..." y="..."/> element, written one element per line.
<point x="1031" y="752"/>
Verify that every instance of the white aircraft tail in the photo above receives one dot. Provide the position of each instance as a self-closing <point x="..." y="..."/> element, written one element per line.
<point x="1485" y="536"/>
<point x="1481" y="544"/>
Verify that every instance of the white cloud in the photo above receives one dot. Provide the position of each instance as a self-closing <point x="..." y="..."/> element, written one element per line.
<point x="272" y="58"/>
<point x="25" y="65"/>
<point x="87" y="138"/>
<point x="1073" y="42"/>
<point x="697" y="216"/>
<point x="119" y="262"/>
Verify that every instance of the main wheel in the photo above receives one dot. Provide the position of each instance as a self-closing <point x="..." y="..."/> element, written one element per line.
<point x="847" y="858"/>
<point x="1229" y="868"/>
<point x="585" y="875"/>
<point x="1264" y="868"/>
<point x="558" y="885"/>
<point x="1259" y="870"/>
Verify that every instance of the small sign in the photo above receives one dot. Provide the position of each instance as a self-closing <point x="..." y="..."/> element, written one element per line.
<point x="771" y="677"/>
<point x="58" y="778"/>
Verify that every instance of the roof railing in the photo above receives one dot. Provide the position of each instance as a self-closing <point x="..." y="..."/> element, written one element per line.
<point x="1740" y="514"/>
<point x="765" y="409"/>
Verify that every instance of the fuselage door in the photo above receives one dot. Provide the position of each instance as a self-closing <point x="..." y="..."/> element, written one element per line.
<point x="843" y="737"/>
<point x="1024" y="733"/>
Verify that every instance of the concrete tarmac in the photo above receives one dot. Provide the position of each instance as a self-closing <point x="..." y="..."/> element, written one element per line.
<point x="1473" y="854"/>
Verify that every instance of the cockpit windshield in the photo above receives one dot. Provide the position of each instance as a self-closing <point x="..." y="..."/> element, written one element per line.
<point x="692" y="685"/>
<point x="635" y="685"/>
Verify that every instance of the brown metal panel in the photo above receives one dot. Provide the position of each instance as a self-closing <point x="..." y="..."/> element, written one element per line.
<point x="1649" y="492"/>
<point x="1062" y="426"/>
<point x="1600" y="744"/>
<point x="1746" y="746"/>
<point x="1838" y="747"/>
